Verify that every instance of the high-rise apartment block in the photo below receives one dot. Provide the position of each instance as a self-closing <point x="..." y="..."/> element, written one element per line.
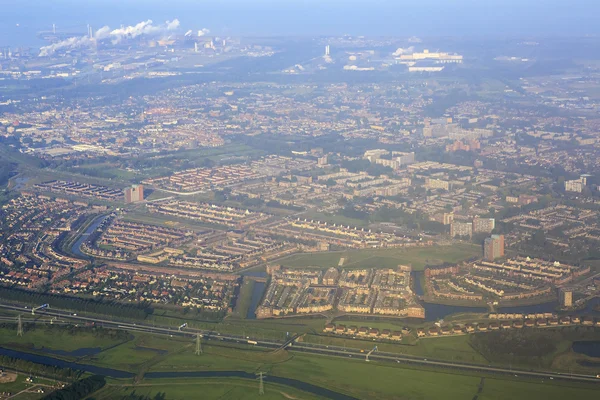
<point x="493" y="247"/>
<point x="461" y="229"/>
<point x="483" y="225"/>
<point x="134" y="194"/>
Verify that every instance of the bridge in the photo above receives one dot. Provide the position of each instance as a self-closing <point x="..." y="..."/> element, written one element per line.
<point x="289" y="341"/>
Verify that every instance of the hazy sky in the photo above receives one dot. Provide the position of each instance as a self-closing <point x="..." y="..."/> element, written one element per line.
<point x="304" y="17"/>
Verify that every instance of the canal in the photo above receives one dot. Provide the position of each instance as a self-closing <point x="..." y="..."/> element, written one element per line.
<point x="76" y="249"/>
<point x="257" y="292"/>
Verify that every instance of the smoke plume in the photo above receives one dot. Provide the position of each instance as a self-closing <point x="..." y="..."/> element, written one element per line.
<point x="203" y="32"/>
<point x="115" y="35"/>
<point x="399" y="51"/>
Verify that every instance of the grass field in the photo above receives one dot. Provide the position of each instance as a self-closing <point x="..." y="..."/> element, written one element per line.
<point x="133" y="354"/>
<point x="23" y="390"/>
<point x="452" y="348"/>
<point x="354" y="376"/>
<point x="210" y="389"/>
<point x="418" y="258"/>
<point x="56" y="338"/>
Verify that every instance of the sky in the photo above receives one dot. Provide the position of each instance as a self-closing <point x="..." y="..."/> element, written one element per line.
<point x="314" y="17"/>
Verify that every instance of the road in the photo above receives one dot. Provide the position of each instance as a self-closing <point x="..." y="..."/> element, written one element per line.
<point x="332" y="351"/>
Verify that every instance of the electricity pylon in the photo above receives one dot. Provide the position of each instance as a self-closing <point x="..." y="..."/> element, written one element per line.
<point x="261" y="385"/>
<point x="19" y="326"/>
<point x="198" y="344"/>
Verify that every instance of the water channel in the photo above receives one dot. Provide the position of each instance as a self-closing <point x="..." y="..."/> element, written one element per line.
<point x="257" y="293"/>
<point x="76" y="249"/>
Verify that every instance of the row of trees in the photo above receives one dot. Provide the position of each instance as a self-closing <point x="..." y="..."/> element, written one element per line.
<point x="112" y="308"/>
<point x="79" y="389"/>
<point x="38" y="369"/>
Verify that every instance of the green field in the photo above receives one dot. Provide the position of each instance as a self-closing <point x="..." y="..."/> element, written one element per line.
<point x="209" y="388"/>
<point x="451" y="348"/>
<point x="23" y="390"/>
<point x="58" y="338"/>
<point x="418" y="258"/>
<point x="352" y="376"/>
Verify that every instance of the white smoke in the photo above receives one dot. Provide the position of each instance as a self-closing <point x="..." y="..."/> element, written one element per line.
<point x="203" y="32"/>
<point x="102" y="33"/>
<point x="130" y="32"/>
<point x="116" y="35"/>
<point x="70" y="43"/>
<point x="172" y="25"/>
<point x="399" y="51"/>
<point x="189" y="33"/>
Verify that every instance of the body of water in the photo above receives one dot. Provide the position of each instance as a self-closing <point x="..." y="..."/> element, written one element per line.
<point x="532" y="309"/>
<point x="434" y="312"/>
<point x="57" y="362"/>
<point x="82" y="352"/>
<point x="257" y="293"/>
<point x="589" y="348"/>
<point x="76" y="249"/>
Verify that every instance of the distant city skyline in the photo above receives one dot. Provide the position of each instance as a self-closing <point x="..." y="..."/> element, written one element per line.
<point x="273" y="17"/>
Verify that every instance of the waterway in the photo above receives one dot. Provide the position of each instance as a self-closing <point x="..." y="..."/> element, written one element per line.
<point x="57" y="362"/>
<point x="590" y="348"/>
<point x="434" y="312"/>
<point x="257" y="293"/>
<point x="549" y="307"/>
<point x="76" y="249"/>
<point x="82" y="352"/>
<point x="115" y="373"/>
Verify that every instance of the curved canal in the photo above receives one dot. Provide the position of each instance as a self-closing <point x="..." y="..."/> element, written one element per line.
<point x="76" y="248"/>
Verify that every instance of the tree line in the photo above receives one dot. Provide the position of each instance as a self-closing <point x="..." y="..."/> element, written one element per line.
<point x="112" y="308"/>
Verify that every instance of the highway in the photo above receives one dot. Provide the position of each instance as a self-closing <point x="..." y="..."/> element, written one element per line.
<point x="332" y="351"/>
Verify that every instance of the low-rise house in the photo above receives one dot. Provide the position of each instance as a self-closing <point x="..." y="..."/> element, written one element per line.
<point x="518" y="324"/>
<point x="565" y="320"/>
<point x="529" y="323"/>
